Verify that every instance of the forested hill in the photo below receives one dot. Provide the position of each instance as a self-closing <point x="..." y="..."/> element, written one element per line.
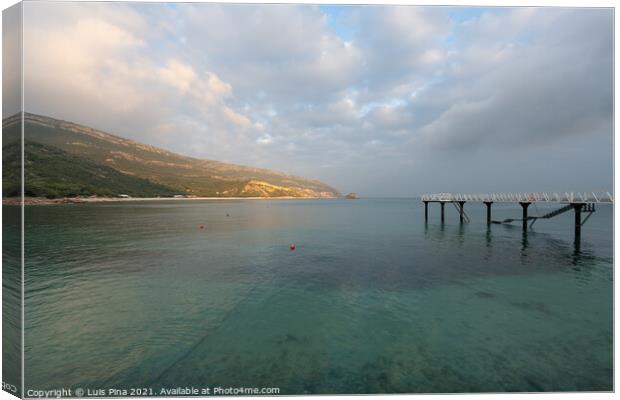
<point x="112" y="165"/>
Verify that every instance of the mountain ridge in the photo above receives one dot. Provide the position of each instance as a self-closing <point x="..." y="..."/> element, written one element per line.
<point x="187" y="175"/>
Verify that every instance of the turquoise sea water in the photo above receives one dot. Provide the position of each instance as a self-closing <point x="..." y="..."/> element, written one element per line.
<point x="372" y="300"/>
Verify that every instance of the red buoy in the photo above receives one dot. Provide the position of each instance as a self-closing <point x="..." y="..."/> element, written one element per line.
<point x="201" y="226"/>
<point x="292" y="247"/>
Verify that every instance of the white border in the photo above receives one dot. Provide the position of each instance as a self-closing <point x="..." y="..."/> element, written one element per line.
<point x="484" y="3"/>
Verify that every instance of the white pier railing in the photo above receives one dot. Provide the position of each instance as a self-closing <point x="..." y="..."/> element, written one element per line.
<point x="564" y="197"/>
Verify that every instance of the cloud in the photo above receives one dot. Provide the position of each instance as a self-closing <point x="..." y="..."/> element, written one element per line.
<point x="178" y="75"/>
<point x="108" y="77"/>
<point x="400" y="43"/>
<point x="265" y="139"/>
<point x="281" y="86"/>
<point x="538" y="85"/>
<point x="285" y="51"/>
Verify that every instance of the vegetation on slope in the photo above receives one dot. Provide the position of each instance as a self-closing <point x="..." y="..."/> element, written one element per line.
<point x="51" y="172"/>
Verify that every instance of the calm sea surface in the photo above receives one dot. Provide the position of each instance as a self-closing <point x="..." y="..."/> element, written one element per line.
<point x="372" y="300"/>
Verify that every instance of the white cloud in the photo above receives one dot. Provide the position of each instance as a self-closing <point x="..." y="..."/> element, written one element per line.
<point x="527" y="88"/>
<point x="275" y="86"/>
<point x="265" y="139"/>
<point x="105" y="75"/>
<point x="178" y="75"/>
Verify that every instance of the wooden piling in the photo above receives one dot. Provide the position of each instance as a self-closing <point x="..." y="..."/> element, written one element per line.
<point x="443" y="204"/>
<point x="577" y="207"/>
<point x="524" y="205"/>
<point x="488" y="204"/>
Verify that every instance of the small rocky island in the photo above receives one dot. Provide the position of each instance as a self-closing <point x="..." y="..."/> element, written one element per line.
<point x="352" y="196"/>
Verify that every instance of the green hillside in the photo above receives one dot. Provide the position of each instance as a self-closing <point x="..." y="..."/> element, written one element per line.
<point x="51" y="172"/>
<point x="184" y="175"/>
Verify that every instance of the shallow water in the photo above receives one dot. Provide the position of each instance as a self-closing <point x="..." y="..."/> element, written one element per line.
<point x="372" y="300"/>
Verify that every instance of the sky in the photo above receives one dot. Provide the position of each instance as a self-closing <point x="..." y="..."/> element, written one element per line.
<point x="379" y="100"/>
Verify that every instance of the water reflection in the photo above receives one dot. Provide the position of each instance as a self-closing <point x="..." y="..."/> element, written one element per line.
<point x="577" y="242"/>
<point x="524" y="244"/>
<point x="488" y="236"/>
<point x="533" y="248"/>
<point x="460" y="234"/>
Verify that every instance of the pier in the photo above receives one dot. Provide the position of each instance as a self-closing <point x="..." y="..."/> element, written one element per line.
<point x="579" y="202"/>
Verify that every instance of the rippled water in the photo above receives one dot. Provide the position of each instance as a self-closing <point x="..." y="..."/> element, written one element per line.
<point x="372" y="299"/>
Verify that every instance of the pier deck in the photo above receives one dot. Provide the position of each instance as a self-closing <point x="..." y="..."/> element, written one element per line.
<point x="566" y="197"/>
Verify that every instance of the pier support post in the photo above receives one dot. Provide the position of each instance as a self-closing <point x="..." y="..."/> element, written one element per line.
<point x="524" y="205"/>
<point x="426" y="211"/>
<point x="488" y="204"/>
<point x="443" y="204"/>
<point x="461" y="210"/>
<point x="577" y="207"/>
